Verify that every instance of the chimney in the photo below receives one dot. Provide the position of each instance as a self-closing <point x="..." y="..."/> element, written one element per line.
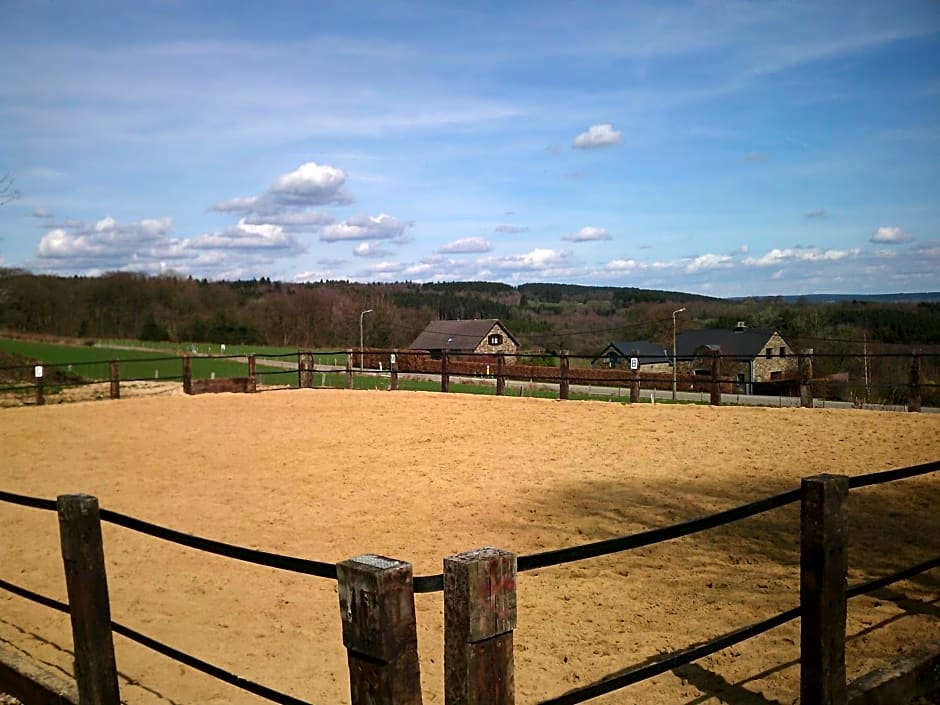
<point x="741" y="325"/>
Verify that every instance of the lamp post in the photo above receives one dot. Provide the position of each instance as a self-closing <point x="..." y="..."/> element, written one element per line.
<point x="678" y="310"/>
<point x="360" y="336"/>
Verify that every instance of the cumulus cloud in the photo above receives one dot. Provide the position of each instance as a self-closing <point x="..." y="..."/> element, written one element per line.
<point x="369" y="249"/>
<point x="466" y="245"/>
<point x="891" y="235"/>
<point x="248" y="236"/>
<point x="510" y="229"/>
<point x="587" y="234"/>
<point x="708" y="261"/>
<point x="364" y="227"/>
<point x="597" y="136"/>
<point x="302" y="222"/>
<point x="621" y="265"/>
<point x="105" y="239"/>
<point x="778" y="256"/>
<point x="310" y="184"/>
<point x="820" y="214"/>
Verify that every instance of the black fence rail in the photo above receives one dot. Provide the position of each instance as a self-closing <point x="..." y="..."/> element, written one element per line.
<point x="381" y="637"/>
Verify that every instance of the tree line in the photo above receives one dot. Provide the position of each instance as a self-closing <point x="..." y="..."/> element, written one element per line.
<point x="543" y="317"/>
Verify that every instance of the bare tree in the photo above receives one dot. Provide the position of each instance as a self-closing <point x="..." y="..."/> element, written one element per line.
<point x="8" y="190"/>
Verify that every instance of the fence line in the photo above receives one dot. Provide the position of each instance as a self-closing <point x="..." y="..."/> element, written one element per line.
<point x="505" y="565"/>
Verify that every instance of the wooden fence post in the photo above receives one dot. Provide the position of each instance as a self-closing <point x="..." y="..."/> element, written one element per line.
<point x="479" y="618"/>
<point x="635" y="382"/>
<point x="806" y="377"/>
<point x="87" y="586"/>
<point x="445" y="372"/>
<point x="349" y="368"/>
<point x="913" y="387"/>
<point x="253" y="372"/>
<point x="187" y="374"/>
<point x="40" y="374"/>
<point x="823" y="574"/>
<point x="500" y="374"/>
<point x="564" y="387"/>
<point x="377" y="608"/>
<point x="715" y="398"/>
<point x="393" y="367"/>
<point x="115" y="370"/>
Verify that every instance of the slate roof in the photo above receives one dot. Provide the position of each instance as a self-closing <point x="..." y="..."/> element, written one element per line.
<point x="457" y="335"/>
<point x="650" y="353"/>
<point x="747" y="343"/>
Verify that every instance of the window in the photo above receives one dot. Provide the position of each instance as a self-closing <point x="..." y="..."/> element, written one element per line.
<point x="776" y="375"/>
<point x="495" y="339"/>
<point x="769" y="353"/>
<point x="783" y="352"/>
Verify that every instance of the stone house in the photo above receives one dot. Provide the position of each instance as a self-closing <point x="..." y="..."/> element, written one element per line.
<point x="481" y="335"/>
<point x="652" y="357"/>
<point x="749" y="355"/>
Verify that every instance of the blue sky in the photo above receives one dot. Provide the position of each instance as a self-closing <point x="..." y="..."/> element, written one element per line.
<point x="726" y="148"/>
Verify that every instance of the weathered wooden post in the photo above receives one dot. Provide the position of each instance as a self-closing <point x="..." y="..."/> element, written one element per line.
<point x="635" y="383"/>
<point x="500" y="374"/>
<point x="253" y="372"/>
<point x="715" y="398"/>
<point x="806" y="378"/>
<point x="39" y="372"/>
<point x="445" y="372"/>
<point x="115" y="372"/>
<point x="187" y="374"/>
<point x="349" y="368"/>
<point x="479" y="619"/>
<point x="913" y="385"/>
<point x="393" y="367"/>
<point x="564" y="388"/>
<point x="300" y="370"/>
<point x="377" y="608"/>
<point x="823" y="573"/>
<point x="87" y="586"/>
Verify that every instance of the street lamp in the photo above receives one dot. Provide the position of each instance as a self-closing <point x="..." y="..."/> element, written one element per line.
<point x="360" y="336"/>
<point x="678" y="310"/>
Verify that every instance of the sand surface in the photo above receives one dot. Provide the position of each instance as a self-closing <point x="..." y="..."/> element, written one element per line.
<point x="333" y="474"/>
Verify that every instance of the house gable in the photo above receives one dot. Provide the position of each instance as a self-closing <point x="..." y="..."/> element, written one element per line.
<point x="476" y="335"/>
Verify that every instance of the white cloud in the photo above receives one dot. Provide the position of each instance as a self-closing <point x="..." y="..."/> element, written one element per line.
<point x="510" y="229"/>
<point x="621" y="265"/>
<point x="596" y="136"/>
<point x="779" y="256"/>
<point x="310" y="184"/>
<point x="892" y="235"/>
<point x="466" y="245"/>
<point x="247" y="236"/>
<point x="106" y="239"/>
<point x="363" y="227"/>
<point x="43" y="213"/>
<point x="588" y="234"/>
<point x="819" y="214"/>
<point x="709" y="261"/>
<point x="369" y="249"/>
<point x="301" y="222"/>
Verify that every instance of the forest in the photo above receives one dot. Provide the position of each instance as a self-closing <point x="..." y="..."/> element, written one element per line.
<point x="543" y="317"/>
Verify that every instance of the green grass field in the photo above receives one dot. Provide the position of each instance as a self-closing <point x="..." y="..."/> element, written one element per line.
<point x="92" y="362"/>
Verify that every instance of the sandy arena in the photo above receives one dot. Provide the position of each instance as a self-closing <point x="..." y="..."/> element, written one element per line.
<point x="332" y="474"/>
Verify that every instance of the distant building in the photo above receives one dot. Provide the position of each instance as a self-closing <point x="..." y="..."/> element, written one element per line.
<point x="483" y="335"/>
<point x="748" y="354"/>
<point x="653" y="358"/>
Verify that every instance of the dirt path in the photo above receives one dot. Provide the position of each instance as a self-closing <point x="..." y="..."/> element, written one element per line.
<point x="332" y="474"/>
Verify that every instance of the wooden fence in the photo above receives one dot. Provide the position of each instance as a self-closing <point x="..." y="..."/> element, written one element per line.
<point x="498" y="369"/>
<point x="377" y="610"/>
